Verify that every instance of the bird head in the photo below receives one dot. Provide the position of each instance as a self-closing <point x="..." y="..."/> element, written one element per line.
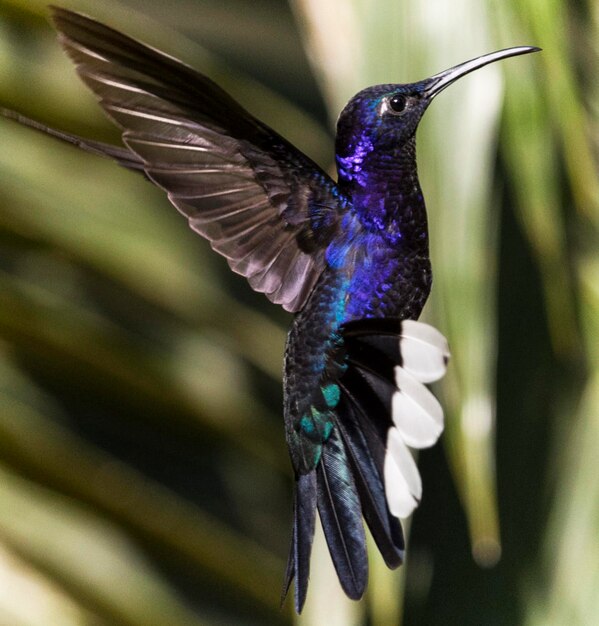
<point x="384" y="118"/>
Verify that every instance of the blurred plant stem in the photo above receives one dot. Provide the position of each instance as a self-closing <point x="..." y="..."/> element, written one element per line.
<point x="45" y="452"/>
<point x="51" y="534"/>
<point x="549" y="150"/>
<point x="29" y="597"/>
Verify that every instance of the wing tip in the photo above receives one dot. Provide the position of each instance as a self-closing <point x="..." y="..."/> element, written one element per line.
<point x="65" y="17"/>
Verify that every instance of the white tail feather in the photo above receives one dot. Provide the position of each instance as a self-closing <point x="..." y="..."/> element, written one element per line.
<point x="424" y="351"/>
<point x="403" y="486"/>
<point x="416" y="412"/>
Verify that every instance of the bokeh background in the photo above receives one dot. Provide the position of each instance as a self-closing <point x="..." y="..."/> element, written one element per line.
<point x="143" y="473"/>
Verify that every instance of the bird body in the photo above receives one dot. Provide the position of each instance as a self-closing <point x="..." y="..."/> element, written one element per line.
<point x="349" y="258"/>
<point x="368" y="275"/>
<point x="377" y="267"/>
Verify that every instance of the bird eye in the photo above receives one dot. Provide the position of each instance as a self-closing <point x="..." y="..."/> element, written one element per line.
<point x="397" y="103"/>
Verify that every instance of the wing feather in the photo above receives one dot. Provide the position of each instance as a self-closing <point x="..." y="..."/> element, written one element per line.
<point x="242" y="186"/>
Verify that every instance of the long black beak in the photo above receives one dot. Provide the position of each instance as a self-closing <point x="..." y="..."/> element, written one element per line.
<point x="437" y="83"/>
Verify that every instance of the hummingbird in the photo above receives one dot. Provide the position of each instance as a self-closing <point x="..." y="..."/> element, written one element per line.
<point x="349" y="259"/>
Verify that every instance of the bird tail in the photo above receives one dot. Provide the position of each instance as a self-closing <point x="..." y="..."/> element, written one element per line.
<point x="121" y="155"/>
<point x="365" y="468"/>
<point x="331" y="489"/>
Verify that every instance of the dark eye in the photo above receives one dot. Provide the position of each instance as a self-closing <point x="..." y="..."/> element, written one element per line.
<point x="397" y="103"/>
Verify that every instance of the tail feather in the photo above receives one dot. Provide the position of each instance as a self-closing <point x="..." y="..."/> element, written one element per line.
<point x="419" y="348"/>
<point x="341" y="516"/>
<point x="388" y="362"/>
<point x="385" y="528"/>
<point x="373" y="416"/>
<point x="304" y="518"/>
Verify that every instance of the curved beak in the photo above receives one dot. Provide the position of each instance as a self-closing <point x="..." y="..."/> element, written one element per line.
<point x="435" y="84"/>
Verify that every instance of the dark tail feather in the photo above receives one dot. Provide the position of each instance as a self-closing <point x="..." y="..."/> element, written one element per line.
<point x="385" y="528"/>
<point x="341" y="517"/>
<point x="122" y="156"/>
<point x="304" y="517"/>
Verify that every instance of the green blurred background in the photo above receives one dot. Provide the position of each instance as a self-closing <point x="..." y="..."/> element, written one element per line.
<point x="143" y="471"/>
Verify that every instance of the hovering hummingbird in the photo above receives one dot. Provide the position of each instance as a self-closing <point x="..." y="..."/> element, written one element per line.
<point x="349" y="258"/>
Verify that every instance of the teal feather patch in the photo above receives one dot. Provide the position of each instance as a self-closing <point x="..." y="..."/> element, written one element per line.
<point x="331" y="394"/>
<point x="317" y="425"/>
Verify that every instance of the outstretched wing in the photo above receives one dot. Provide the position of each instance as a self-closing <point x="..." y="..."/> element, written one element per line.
<point x="260" y="202"/>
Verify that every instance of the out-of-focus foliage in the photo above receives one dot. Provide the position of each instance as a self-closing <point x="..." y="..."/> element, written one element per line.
<point x="143" y="473"/>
